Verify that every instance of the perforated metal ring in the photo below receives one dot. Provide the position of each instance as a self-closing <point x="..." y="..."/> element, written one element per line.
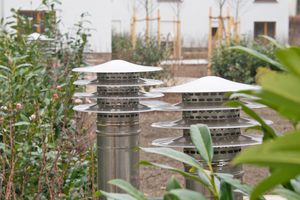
<point x="218" y="133"/>
<point x="118" y="103"/>
<point x="118" y="76"/>
<point x="213" y="97"/>
<point x="211" y="114"/>
<point x="118" y="90"/>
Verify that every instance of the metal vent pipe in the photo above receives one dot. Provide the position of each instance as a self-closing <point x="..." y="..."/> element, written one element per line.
<point x="118" y="107"/>
<point x="202" y="103"/>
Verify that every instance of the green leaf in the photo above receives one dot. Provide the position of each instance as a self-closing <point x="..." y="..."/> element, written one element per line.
<point x="205" y="179"/>
<point x="4" y="77"/>
<point x="23" y="65"/>
<point x="177" y="155"/>
<point x="127" y="187"/>
<point x="251" y="113"/>
<point x="21" y="123"/>
<point x="296" y="185"/>
<point x="3" y="67"/>
<point x="258" y="128"/>
<point x="290" y="58"/>
<point x="288" y="194"/>
<point x="225" y="191"/>
<point x="258" y="55"/>
<point x="174" y="170"/>
<point x="115" y="196"/>
<point x="273" y="41"/>
<point x="200" y="136"/>
<point x="279" y="153"/>
<point x="24" y="118"/>
<point x="173" y="184"/>
<point x="184" y="194"/>
<point x="277" y="177"/>
<point x="235" y="183"/>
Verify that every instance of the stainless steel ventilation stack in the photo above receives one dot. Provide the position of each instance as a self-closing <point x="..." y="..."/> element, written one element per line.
<point x="202" y="101"/>
<point x="117" y="111"/>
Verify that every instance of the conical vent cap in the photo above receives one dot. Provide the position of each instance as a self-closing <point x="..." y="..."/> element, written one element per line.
<point x="207" y="84"/>
<point x="117" y="66"/>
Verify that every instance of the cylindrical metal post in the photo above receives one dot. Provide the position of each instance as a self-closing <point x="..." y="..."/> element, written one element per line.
<point x="117" y="109"/>
<point x="202" y="103"/>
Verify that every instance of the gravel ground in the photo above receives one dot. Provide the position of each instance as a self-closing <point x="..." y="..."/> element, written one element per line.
<point x="154" y="180"/>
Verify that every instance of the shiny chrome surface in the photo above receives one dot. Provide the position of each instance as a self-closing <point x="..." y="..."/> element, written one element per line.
<point x="183" y="142"/>
<point x="138" y="95"/>
<point x="207" y="84"/>
<point x="117" y="109"/>
<point x="95" y="108"/>
<point x="117" y="66"/>
<point x="139" y="82"/>
<point x="202" y="103"/>
<point x="212" y="124"/>
<point x="204" y="106"/>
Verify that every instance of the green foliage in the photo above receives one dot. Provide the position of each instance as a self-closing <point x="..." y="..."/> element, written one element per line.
<point x="240" y="66"/>
<point x="144" y="53"/>
<point x="279" y="152"/>
<point x="39" y="152"/>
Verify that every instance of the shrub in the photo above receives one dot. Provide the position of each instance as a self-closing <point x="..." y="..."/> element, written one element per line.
<point x="239" y="66"/>
<point x="144" y="53"/>
<point x="41" y="156"/>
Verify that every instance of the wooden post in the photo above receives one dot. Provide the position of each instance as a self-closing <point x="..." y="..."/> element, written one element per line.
<point x="158" y="28"/>
<point x="158" y="34"/>
<point x="220" y="31"/>
<point x="133" y="28"/>
<point x="209" y="43"/>
<point x="234" y="29"/>
<point x="147" y="29"/>
<point x="228" y="25"/>
<point x="179" y="37"/>
<point x="174" y="42"/>
<point x="38" y="29"/>
<point x="239" y="39"/>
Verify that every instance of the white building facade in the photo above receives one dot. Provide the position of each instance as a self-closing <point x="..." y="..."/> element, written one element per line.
<point x="269" y="17"/>
<point x="69" y="13"/>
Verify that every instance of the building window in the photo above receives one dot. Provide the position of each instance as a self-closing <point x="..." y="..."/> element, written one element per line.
<point x="36" y="17"/>
<point x="169" y="0"/>
<point x="264" y="28"/>
<point x="265" y="1"/>
<point x="214" y="31"/>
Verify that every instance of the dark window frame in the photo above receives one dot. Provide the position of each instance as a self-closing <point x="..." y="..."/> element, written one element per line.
<point x="265" y="29"/>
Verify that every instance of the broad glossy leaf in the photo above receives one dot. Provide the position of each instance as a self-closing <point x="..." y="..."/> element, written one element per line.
<point x="4" y="77"/>
<point x="235" y="183"/>
<point x="21" y="123"/>
<point x="204" y="177"/>
<point x="184" y="194"/>
<point x="296" y="185"/>
<point x="115" y="196"/>
<point x="201" y="138"/>
<point x="173" y="184"/>
<point x="290" y="58"/>
<point x="177" y="155"/>
<point x="172" y="169"/>
<point x="127" y="187"/>
<point x="255" y="116"/>
<point x="225" y="191"/>
<point x="279" y="153"/>
<point x="288" y="194"/>
<point x="3" y="67"/>
<point x="277" y="177"/>
<point x="273" y="41"/>
<point x="258" y="55"/>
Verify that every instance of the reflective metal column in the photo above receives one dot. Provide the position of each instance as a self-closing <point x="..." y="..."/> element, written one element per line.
<point x="202" y="103"/>
<point x="117" y="109"/>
